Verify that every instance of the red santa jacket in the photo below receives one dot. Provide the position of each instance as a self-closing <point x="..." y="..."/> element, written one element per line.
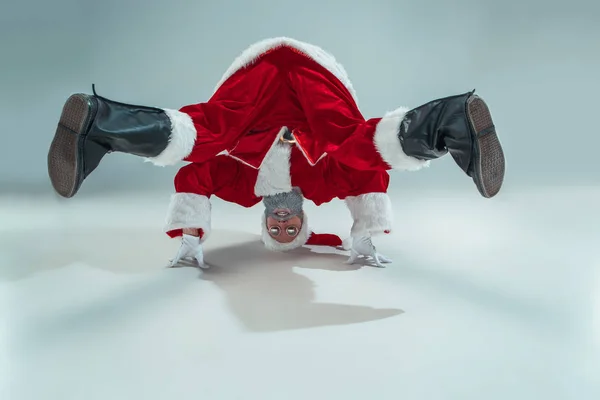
<point x="283" y="167"/>
<point x="279" y="83"/>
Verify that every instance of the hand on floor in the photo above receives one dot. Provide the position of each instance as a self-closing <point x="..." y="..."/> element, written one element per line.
<point x="190" y="249"/>
<point x="363" y="246"/>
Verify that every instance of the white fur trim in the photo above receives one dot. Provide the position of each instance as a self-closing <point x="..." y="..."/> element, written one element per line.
<point x="317" y="54"/>
<point x="273" y="245"/>
<point x="189" y="210"/>
<point x="274" y="171"/>
<point x="388" y="145"/>
<point x="371" y="212"/>
<point x="181" y="142"/>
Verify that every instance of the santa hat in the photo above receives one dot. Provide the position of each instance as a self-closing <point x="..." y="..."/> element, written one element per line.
<point x="305" y="237"/>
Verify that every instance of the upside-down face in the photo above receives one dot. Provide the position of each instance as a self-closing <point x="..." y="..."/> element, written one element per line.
<point x="284" y="215"/>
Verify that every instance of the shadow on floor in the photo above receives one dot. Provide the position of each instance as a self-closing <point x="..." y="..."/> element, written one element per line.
<point x="262" y="288"/>
<point x="265" y="292"/>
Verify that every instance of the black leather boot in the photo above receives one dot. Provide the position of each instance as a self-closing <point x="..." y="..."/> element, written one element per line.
<point x="91" y="126"/>
<point x="462" y="126"/>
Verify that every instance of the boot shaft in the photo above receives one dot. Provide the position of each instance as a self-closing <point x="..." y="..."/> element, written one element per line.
<point x="438" y="127"/>
<point x="132" y="129"/>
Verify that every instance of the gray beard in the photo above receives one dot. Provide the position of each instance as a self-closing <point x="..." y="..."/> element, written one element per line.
<point x="292" y="201"/>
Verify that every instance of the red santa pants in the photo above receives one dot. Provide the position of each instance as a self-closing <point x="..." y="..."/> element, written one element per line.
<point x="284" y="87"/>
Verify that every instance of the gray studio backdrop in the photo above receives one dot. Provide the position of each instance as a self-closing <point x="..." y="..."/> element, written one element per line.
<point x="536" y="62"/>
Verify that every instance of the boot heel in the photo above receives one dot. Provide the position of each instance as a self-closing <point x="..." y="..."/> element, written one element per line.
<point x="65" y="157"/>
<point x="489" y="163"/>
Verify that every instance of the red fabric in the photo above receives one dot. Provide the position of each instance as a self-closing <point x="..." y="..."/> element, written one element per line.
<point x="179" y="232"/>
<point x="175" y="233"/>
<point x="324" y="239"/>
<point x="245" y="115"/>
<point x="233" y="181"/>
<point x="284" y="88"/>
<point x="330" y="179"/>
<point x="223" y="177"/>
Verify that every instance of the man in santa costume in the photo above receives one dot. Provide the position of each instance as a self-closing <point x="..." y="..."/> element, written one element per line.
<point x="283" y="125"/>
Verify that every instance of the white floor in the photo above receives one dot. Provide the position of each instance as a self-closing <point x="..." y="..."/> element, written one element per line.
<point x="485" y="300"/>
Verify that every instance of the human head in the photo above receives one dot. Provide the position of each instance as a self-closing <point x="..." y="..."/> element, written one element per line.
<point x="284" y="223"/>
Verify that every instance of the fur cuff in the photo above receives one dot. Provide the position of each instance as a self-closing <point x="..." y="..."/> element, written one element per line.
<point x="189" y="210"/>
<point x="388" y="145"/>
<point x="181" y="141"/>
<point x="274" y="245"/>
<point x="372" y="214"/>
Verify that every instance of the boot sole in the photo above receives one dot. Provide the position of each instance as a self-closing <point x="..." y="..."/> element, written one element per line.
<point x="65" y="157"/>
<point x="489" y="163"/>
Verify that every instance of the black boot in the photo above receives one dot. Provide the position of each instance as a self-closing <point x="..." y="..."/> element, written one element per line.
<point x="461" y="125"/>
<point x="91" y="126"/>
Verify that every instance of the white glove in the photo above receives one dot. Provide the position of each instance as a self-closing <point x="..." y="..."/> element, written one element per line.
<point x="363" y="246"/>
<point x="190" y="249"/>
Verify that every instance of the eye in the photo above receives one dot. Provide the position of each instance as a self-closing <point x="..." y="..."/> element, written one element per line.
<point x="274" y="230"/>
<point x="291" y="230"/>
